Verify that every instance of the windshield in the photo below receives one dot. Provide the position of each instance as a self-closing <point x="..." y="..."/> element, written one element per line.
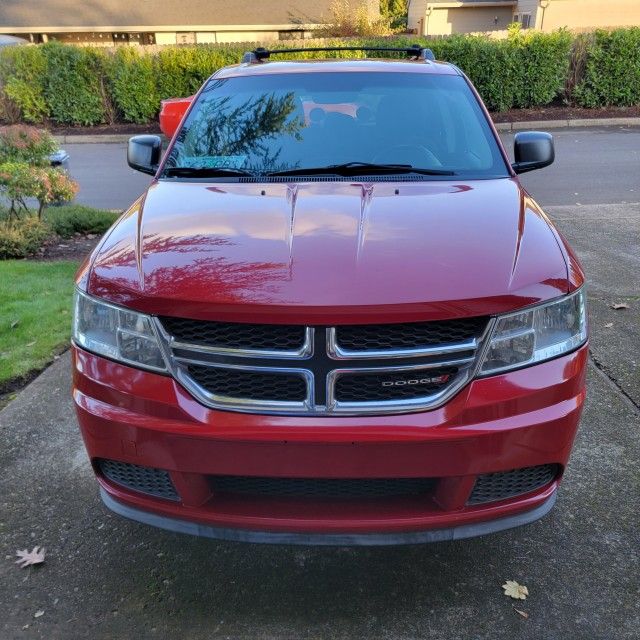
<point x="282" y="123"/>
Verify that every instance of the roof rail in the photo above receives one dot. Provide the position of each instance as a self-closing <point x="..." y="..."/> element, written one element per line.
<point x="414" y="51"/>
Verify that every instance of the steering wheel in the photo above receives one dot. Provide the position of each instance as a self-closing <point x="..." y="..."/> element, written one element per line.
<point x="414" y="154"/>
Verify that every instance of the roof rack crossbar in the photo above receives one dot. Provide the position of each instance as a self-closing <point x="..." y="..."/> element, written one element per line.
<point x="414" y="51"/>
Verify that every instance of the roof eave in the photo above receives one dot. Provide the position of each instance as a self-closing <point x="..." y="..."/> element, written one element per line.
<point x="158" y="28"/>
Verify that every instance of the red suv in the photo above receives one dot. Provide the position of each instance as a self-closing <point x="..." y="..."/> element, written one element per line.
<point x="334" y="317"/>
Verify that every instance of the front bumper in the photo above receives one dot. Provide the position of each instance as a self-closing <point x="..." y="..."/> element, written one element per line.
<point x="520" y="419"/>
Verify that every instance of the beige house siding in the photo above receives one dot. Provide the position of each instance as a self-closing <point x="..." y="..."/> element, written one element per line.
<point x="243" y="36"/>
<point x="587" y="14"/>
<point x="417" y="10"/>
<point x="469" y="20"/>
<point x="445" y="17"/>
<point x="166" y="38"/>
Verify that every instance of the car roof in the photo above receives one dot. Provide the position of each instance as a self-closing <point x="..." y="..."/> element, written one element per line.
<point x="337" y="66"/>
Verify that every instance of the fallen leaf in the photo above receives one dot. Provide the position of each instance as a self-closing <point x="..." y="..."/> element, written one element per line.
<point x="619" y="305"/>
<point x="15" y="323"/>
<point x="514" y="590"/>
<point x="524" y="614"/>
<point x="27" y="558"/>
<point x="37" y="614"/>
<point x="608" y="325"/>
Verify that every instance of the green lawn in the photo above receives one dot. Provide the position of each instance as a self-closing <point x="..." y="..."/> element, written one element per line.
<point x="35" y="314"/>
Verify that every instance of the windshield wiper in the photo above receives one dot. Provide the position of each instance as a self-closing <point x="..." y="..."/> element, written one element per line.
<point x="205" y="172"/>
<point x="359" y="168"/>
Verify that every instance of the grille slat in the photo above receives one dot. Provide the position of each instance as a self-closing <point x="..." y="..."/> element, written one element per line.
<point x="507" y="484"/>
<point x="321" y="487"/>
<point x="153" y="482"/>
<point x="233" y="335"/>
<point x="236" y="383"/>
<point x="411" y="335"/>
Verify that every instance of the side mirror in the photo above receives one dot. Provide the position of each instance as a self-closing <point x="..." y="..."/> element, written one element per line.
<point x="532" y="150"/>
<point x="143" y="153"/>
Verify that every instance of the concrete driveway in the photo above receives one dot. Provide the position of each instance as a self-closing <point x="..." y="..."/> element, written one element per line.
<point x="109" y="578"/>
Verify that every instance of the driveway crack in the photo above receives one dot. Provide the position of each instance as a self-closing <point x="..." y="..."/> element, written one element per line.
<point x="602" y="370"/>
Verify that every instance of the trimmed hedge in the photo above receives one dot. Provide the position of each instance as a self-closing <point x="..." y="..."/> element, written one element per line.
<point x="132" y="79"/>
<point x="22" y="77"/>
<point x="72" y="84"/>
<point x="88" y="86"/>
<point x="611" y="69"/>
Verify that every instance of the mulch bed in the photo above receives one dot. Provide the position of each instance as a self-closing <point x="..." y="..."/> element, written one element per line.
<point x="75" y="248"/>
<point x="554" y="112"/>
<point x="123" y="128"/>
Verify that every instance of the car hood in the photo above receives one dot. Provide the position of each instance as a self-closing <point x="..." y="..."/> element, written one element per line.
<point x="330" y="252"/>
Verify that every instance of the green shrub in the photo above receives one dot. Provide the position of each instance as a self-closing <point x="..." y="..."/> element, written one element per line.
<point x="22" y="73"/>
<point x="182" y="70"/>
<point x="542" y="66"/>
<point x="611" y="69"/>
<point x="72" y="84"/>
<point x="132" y="79"/>
<point x="396" y="12"/>
<point x="75" y="218"/>
<point x="21" y="238"/>
<point x="492" y="65"/>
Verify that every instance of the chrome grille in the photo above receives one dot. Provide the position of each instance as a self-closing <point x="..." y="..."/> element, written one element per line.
<point x="347" y="370"/>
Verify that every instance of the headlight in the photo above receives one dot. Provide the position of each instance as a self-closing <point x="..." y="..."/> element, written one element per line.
<point x="116" y="333"/>
<point x="536" y="334"/>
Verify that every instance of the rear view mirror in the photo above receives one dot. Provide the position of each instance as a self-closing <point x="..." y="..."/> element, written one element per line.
<point x="532" y="150"/>
<point x="143" y="153"/>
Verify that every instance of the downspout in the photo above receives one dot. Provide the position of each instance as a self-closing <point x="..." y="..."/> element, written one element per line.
<point x="543" y="4"/>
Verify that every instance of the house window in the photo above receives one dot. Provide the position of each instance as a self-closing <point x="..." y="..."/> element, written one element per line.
<point x="186" y="37"/>
<point x="524" y="19"/>
<point x="294" y="34"/>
